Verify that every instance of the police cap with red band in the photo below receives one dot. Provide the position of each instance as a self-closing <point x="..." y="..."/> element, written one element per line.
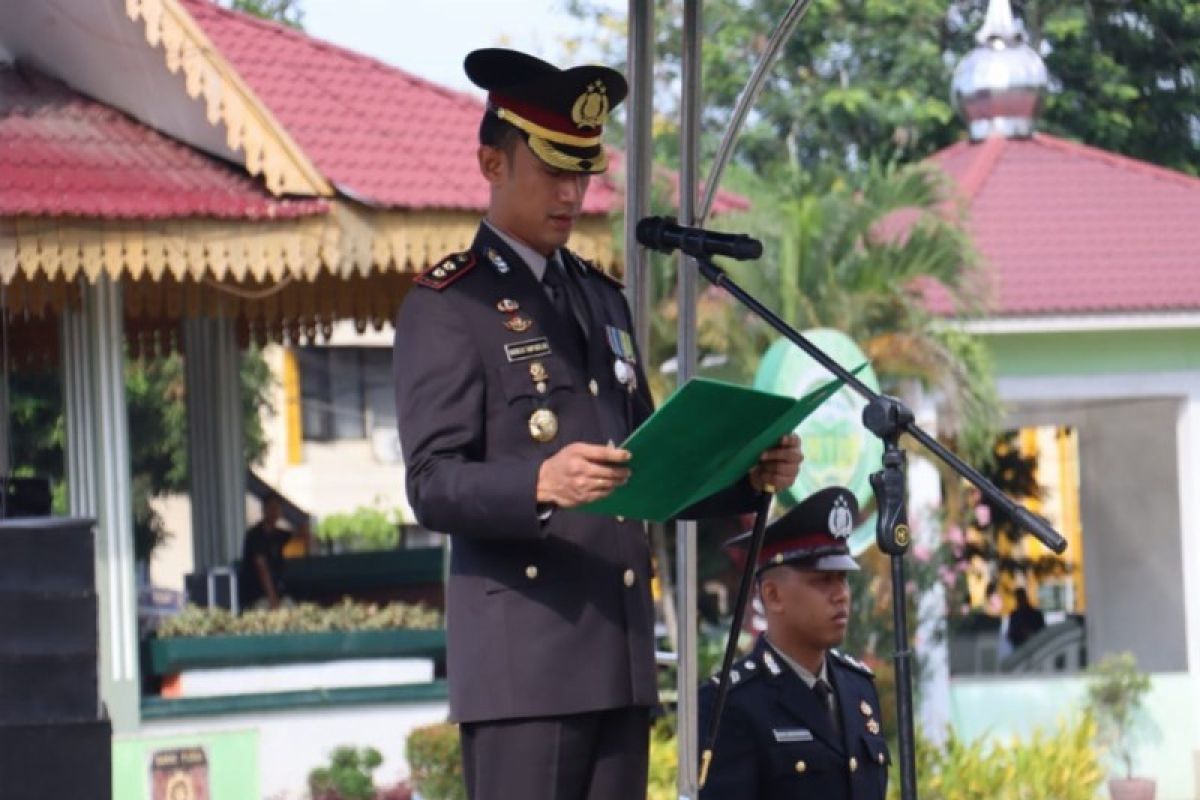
<point x="814" y="535"/>
<point x="561" y="112"/>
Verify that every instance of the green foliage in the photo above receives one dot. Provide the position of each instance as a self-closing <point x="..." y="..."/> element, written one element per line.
<point x="289" y="12"/>
<point x="365" y="528"/>
<point x="664" y="761"/>
<point x="1060" y="765"/>
<point x="303" y="618"/>
<point x="1116" y="691"/>
<point x="348" y="776"/>
<point x="839" y="262"/>
<point x="155" y="396"/>
<point x="868" y="81"/>
<point x="435" y="757"/>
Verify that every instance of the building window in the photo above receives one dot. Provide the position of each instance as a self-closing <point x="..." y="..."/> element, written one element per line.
<point x="346" y="392"/>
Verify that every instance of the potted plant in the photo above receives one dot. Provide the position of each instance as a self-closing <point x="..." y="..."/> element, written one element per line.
<point x="1116" y="691"/>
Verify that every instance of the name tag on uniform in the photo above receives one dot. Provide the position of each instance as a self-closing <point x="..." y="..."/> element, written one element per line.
<point x="792" y="734"/>
<point x="530" y="348"/>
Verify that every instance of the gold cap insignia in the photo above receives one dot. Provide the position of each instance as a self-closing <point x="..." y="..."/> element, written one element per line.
<point x="591" y="107"/>
<point x="543" y="425"/>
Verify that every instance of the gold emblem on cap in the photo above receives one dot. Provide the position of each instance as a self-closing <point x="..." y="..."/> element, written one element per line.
<point x="591" y="107"/>
<point x="537" y="371"/>
<point x="865" y="708"/>
<point x="543" y="425"/>
<point x="518" y="324"/>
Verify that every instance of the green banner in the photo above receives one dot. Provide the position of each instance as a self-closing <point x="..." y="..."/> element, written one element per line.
<point x="838" y="450"/>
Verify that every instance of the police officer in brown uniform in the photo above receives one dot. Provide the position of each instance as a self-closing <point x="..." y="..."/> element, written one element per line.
<point x="800" y="718"/>
<point x="515" y="371"/>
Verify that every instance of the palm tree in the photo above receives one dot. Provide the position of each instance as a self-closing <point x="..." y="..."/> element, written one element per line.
<point x="864" y="261"/>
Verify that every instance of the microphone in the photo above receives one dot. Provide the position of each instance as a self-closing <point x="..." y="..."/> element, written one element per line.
<point x="666" y="235"/>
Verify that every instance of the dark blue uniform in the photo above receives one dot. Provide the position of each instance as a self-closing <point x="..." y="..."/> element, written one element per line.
<point x="777" y="740"/>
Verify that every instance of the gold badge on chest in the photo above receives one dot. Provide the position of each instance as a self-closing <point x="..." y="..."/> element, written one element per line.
<point x="543" y="425"/>
<point x="518" y="323"/>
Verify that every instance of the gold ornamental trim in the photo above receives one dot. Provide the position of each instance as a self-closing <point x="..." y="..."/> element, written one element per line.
<point x="283" y="280"/>
<point x="249" y="125"/>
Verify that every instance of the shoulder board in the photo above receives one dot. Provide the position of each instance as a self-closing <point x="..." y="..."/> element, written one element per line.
<point x="852" y="663"/>
<point x="591" y="267"/>
<point x="446" y="271"/>
<point x="741" y="673"/>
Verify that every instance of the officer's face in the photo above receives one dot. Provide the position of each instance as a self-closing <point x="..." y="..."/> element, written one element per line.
<point x="808" y="607"/>
<point x="531" y="200"/>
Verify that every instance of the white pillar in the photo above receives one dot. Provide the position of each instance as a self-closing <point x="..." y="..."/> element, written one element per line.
<point x="98" y="481"/>
<point x="1188" y="449"/>
<point x="216" y="440"/>
<point x="932" y="646"/>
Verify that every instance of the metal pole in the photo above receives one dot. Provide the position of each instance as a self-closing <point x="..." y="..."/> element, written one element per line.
<point x="640" y="114"/>
<point x="687" y="679"/>
<point x="749" y="94"/>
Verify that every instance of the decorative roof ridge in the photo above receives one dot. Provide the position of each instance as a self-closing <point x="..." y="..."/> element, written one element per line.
<point x="982" y="164"/>
<point x="304" y="37"/>
<point x="249" y="124"/>
<point x="1117" y="160"/>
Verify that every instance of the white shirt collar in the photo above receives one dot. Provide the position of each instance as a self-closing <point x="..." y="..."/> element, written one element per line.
<point x="532" y="258"/>
<point x="806" y="676"/>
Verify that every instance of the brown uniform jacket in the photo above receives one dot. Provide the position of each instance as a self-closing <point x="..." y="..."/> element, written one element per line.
<point x="544" y="617"/>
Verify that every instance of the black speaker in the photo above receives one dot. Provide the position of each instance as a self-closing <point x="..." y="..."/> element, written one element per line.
<point x="55" y="741"/>
<point x="64" y="760"/>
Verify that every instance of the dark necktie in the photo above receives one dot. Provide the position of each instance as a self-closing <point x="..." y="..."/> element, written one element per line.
<point x="825" y="695"/>
<point x="566" y="299"/>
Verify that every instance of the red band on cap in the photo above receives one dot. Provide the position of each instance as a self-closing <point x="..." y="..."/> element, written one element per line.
<point x="538" y="115"/>
<point x="793" y="545"/>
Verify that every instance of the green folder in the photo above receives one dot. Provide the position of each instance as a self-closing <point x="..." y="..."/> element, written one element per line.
<point x="704" y="438"/>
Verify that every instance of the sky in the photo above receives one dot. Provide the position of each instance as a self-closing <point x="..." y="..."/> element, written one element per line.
<point x="430" y="39"/>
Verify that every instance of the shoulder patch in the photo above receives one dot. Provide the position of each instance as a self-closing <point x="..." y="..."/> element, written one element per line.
<point x="852" y="663"/>
<point x="446" y="271"/>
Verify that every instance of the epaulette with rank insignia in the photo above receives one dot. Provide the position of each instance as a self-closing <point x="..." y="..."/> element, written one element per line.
<point x="740" y="673"/>
<point x="853" y="663"/>
<point x="446" y="271"/>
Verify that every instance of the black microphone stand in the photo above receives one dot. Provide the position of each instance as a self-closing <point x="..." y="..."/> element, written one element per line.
<point x="887" y="418"/>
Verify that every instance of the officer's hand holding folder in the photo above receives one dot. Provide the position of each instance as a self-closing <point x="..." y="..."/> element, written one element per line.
<point x="704" y="438"/>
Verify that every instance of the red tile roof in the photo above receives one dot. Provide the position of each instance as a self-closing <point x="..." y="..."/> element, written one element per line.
<point x="62" y="154"/>
<point x="378" y="133"/>
<point x="1067" y="229"/>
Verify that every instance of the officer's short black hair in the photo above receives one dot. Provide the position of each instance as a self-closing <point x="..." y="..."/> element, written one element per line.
<point x="495" y="132"/>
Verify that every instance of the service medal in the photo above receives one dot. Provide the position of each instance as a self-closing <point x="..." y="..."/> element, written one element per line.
<point x="623" y="371"/>
<point x="543" y="425"/>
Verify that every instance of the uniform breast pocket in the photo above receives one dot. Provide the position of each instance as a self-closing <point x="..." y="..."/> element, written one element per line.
<point x="875" y="750"/>
<point x="809" y="764"/>
<point x="534" y="382"/>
